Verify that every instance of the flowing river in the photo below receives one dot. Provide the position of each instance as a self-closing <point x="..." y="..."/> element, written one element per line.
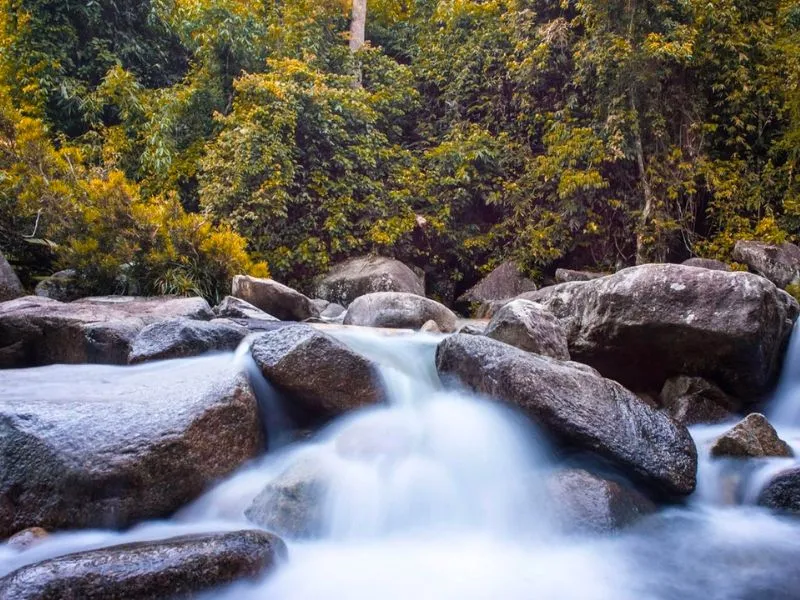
<point x="441" y="495"/>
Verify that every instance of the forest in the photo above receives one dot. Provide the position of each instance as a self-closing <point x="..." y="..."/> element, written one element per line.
<point x="162" y="146"/>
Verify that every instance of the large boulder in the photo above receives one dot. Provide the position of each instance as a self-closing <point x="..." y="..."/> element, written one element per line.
<point x="10" y="285"/>
<point x="367" y="274"/>
<point x="280" y="301"/>
<point x="577" y="408"/>
<point x="64" y="286"/>
<point x="104" y="446"/>
<point x="504" y="283"/>
<point x="752" y="437"/>
<point x="236" y="308"/>
<point x="179" y="338"/>
<point x="706" y="263"/>
<point x="587" y="503"/>
<point x="322" y="376"/>
<point x="778" y="263"/>
<point x="570" y="275"/>
<point x="782" y="492"/>
<point x="646" y="324"/>
<point x="396" y="309"/>
<point x="39" y="331"/>
<point x="694" y="400"/>
<point x="179" y="567"/>
<point x="530" y="327"/>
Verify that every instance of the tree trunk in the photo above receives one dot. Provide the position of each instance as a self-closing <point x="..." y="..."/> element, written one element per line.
<point x="357" y="27"/>
<point x="644" y="247"/>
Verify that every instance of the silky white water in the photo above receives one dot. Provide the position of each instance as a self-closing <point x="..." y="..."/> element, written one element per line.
<point x="441" y="495"/>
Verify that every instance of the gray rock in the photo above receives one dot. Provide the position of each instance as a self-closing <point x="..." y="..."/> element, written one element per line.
<point x="578" y="409"/>
<point x="293" y="504"/>
<point x="529" y="326"/>
<point x="396" y="309"/>
<point x="753" y="437"/>
<point x="694" y="400"/>
<point x="174" y="568"/>
<point x="782" y="492"/>
<point x="569" y="275"/>
<point x="63" y="286"/>
<point x="502" y="284"/>
<point x="104" y="446"/>
<point x="778" y="263"/>
<point x="646" y="324"/>
<point x="179" y="338"/>
<point x="365" y="275"/>
<point x="27" y="539"/>
<point x="706" y="263"/>
<point x="587" y="503"/>
<point x="333" y="312"/>
<point x="10" y="285"/>
<point x="279" y="300"/>
<point x="317" y="371"/>
<point x="236" y="308"/>
<point x="39" y="331"/>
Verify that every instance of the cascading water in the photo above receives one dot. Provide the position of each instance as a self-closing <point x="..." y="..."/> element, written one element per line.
<point x="439" y="495"/>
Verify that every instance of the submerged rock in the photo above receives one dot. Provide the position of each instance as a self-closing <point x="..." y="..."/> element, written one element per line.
<point x="236" y="308"/>
<point x="365" y="275"/>
<point x="694" y="400"/>
<point x="99" y="446"/>
<point x="179" y="338"/>
<point x="396" y="309"/>
<point x="10" y="285"/>
<point x="587" y="503"/>
<point x="278" y="300"/>
<point x="646" y="324"/>
<point x="753" y="437"/>
<point x="40" y="331"/>
<point x="782" y="492"/>
<point x="179" y="567"/>
<point x="318" y="372"/>
<point x="27" y="538"/>
<point x="293" y="504"/>
<point x="578" y="409"/>
<point x="706" y="263"/>
<point x="778" y="263"/>
<point x="531" y="327"/>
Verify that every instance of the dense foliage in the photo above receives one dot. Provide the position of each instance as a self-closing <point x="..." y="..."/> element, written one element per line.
<point x="163" y="145"/>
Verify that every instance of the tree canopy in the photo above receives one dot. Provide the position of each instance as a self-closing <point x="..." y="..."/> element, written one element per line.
<point x="163" y="145"/>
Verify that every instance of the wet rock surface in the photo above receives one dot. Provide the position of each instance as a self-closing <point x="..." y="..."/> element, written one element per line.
<point x="101" y="446"/>
<point x="236" y="308"/>
<point x="588" y="503"/>
<point x="276" y="299"/>
<point x="694" y="400"/>
<point x="778" y="263"/>
<point x="27" y="538"/>
<point x="753" y="437"/>
<point x="10" y="285"/>
<point x="578" y="409"/>
<point x="39" y="331"/>
<point x="173" y="568"/>
<point x="529" y="326"/>
<point x="316" y="371"/>
<point x="293" y="504"/>
<point x="180" y="338"/>
<point x="782" y="492"/>
<point x="365" y="275"/>
<point x="646" y="324"/>
<point x="399" y="310"/>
